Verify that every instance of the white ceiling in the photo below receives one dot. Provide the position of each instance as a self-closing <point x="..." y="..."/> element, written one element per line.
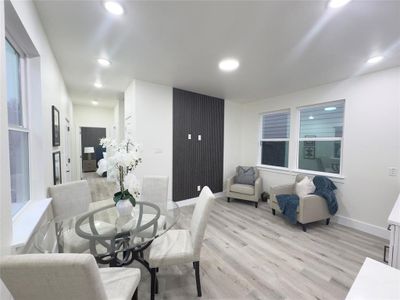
<point x="282" y="46"/>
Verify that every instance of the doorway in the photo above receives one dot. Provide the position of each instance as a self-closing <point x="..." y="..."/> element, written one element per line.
<point x="91" y="151"/>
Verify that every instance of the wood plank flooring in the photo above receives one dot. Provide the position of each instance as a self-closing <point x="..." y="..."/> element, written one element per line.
<point x="250" y="254"/>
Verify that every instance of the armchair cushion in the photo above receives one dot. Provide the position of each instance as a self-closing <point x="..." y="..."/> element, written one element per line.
<point x="246" y="189"/>
<point x="246" y="175"/>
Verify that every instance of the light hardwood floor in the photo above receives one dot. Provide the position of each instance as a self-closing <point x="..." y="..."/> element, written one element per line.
<point x="250" y="254"/>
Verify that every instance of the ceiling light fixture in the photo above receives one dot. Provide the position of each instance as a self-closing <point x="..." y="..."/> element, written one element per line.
<point x="103" y="62"/>
<point x="338" y="3"/>
<point x="228" y="64"/>
<point x="375" y="59"/>
<point x="94" y="102"/>
<point x="330" y="108"/>
<point x="98" y="84"/>
<point x="311" y="118"/>
<point x="114" y="7"/>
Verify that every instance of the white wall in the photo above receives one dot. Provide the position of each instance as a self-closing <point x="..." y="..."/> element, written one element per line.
<point x="119" y="117"/>
<point x="371" y="143"/>
<point x="5" y="192"/>
<point x="52" y="91"/>
<point x="89" y="116"/>
<point x="149" y="109"/>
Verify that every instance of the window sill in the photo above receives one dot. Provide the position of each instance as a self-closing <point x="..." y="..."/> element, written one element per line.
<point x="335" y="177"/>
<point x="26" y="221"/>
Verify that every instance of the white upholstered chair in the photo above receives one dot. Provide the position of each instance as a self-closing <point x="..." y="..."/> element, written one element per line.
<point x="66" y="277"/>
<point x="70" y="200"/>
<point x="4" y="292"/>
<point x="154" y="190"/>
<point x="182" y="246"/>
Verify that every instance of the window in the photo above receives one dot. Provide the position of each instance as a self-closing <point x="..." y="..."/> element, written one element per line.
<point x="17" y="128"/>
<point x="320" y="140"/>
<point x="275" y="139"/>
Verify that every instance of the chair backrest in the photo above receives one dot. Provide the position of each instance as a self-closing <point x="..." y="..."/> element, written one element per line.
<point x="155" y="190"/>
<point x="4" y="292"/>
<point x="200" y="218"/>
<point x="70" y="199"/>
<point x="52" y="276"/>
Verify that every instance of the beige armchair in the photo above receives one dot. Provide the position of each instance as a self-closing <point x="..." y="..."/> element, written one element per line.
<point x="245" y="191"/>
<point x="311" y="208"/>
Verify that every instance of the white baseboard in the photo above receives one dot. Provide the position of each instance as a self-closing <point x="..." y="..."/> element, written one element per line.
<point x="362" y="226"/>
<point x="192" y="201"/>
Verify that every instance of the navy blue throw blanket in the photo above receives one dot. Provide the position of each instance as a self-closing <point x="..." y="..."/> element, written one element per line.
<point x="324" y="187"/>
<point x="288" y="205"/>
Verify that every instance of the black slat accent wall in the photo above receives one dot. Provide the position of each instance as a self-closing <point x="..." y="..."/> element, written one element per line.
<point x="197" y="162"/>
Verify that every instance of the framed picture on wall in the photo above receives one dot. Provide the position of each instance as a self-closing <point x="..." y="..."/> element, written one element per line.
<point x="55" y="117"/>
<point x="57" y="168"/>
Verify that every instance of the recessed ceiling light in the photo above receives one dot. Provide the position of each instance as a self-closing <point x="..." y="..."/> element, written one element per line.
<point x="330" y="108"/>
<point x="94" y="102"/>
<point x="375" y="59"/>
<point x="114" y="8"/>
<point x="98" y="84"/>
<point x="103" y="62"/>
<point x="228" y="64"/>
<point x="338" y="3"/>
<point x="311" y="118"/>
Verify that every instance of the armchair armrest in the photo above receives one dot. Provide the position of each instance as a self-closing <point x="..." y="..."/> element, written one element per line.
<point x="258" y="187"/>
<point x="280" y="190"/>
<point x="230" y="181"/>
<point x="312" y="208"/>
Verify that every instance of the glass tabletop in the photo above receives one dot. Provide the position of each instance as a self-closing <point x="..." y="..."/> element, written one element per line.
<point x="105" y="233"/>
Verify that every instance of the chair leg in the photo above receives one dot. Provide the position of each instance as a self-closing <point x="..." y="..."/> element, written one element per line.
<point x="135" y="295"/>
<point x="304" y="227"/>
<point x="273" y="212"/>
<point x="153" y="283"/>
<point x="327" y="221"/>
<point x="196" y="265"/>
<point x="256" y="204"/>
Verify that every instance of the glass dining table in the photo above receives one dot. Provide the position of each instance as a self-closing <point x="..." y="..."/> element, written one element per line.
<point x="112" y="239"/>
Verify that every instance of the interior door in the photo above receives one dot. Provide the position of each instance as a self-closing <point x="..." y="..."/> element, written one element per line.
<point x="67" y="151"/>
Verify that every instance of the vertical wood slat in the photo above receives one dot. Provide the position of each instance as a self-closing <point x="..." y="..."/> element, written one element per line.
<point x="197" y="162"/>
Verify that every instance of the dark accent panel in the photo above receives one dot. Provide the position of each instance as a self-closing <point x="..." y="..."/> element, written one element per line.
<point x="90" y="137"/>
<point x="197" y="162"/>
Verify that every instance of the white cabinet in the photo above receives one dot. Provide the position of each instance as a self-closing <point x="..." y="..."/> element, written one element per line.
<point x="394" y="226"/>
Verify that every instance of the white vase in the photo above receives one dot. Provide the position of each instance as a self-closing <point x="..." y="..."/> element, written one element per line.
<point x="124" y="208"/>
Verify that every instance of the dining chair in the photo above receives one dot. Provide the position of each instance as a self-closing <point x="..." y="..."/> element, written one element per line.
<point x="4" y="292"/>
<point x="66" y="276"/>
<point x="154" y="190"/>
<point x="70" y="200"/>
<point x="182" y="246"/>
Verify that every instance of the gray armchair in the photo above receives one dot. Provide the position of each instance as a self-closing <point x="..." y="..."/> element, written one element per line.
<point x="311" y="208"/>
<point x="245" y="191"/>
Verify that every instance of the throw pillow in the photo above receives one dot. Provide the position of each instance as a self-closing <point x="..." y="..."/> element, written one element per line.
<point x="245" y="175"/>
<point x="304" y="187"/>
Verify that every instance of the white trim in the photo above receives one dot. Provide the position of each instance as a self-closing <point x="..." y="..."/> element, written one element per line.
<point x="362" y="226"/>
<point x="26" y="220"/>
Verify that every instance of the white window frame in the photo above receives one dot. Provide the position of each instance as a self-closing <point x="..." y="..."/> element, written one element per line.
<point x="25" y="110"/>
<point x="317" y="139"/>
<point x="260" y="138"/>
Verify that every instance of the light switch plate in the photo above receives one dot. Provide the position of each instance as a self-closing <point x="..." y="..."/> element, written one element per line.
<point x="393" y="171"/>
<point x="189" y="136"/>
<point x="199" y="137"/>
<point x="198" y="188"/>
